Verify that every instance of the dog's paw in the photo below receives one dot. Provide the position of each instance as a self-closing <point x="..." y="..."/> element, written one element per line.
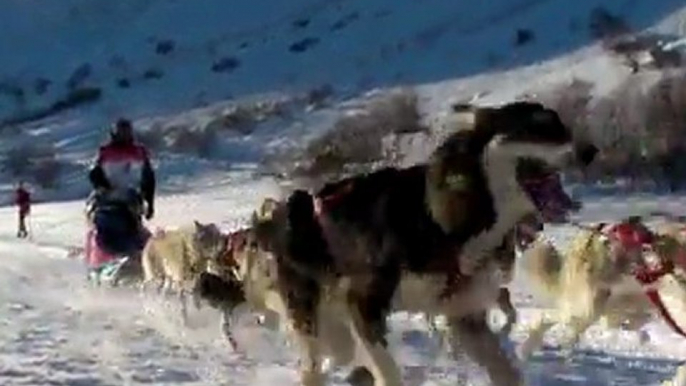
<point x="522" y="352"/>
<point x="643" y="337"/>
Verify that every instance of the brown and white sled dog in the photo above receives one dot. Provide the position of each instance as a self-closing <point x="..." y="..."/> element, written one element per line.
<point x="173" y="259"/>
<point x="419" y="239"/>
<point x="255" y="284"/>
<point x="595" y="280"/>
<point x="246" y="274"/>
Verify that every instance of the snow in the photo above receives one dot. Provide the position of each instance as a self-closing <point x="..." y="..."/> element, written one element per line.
<point x="56" y="330"/>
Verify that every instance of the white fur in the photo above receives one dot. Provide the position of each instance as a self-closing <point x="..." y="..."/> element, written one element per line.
<point x="172" y="261"/>
<point x="510" y="200"/>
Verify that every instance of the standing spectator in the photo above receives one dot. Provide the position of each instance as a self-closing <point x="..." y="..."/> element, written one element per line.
<point x="23" y="202"/>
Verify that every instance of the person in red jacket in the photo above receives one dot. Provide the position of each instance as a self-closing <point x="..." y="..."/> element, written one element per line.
<point x="124" y="164"/>
<point x="23" y="202"/>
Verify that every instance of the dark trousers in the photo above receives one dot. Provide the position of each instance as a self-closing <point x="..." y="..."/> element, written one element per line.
<point x="22" y="232"/>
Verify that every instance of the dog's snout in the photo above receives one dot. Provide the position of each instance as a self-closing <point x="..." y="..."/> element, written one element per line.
<point x="585" y="152"/>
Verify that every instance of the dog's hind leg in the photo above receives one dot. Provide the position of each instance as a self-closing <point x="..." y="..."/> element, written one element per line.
<point x="483" y="346"/>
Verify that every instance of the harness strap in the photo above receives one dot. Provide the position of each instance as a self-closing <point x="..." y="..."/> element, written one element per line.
<point x="655" y="298"/>
<point x="645" y="276"/>
<point x="630" y="236"/>
<point x="331" y="198"/>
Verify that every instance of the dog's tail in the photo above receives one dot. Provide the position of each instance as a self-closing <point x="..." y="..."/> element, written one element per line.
<point x="542" y="264"/>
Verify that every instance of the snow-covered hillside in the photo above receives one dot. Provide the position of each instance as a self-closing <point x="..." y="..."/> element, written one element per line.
<point x="175" y="54"/>
<point x="72" y="66"/>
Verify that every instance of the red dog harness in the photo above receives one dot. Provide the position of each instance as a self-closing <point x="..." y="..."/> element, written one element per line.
<point x="631" y="236"/>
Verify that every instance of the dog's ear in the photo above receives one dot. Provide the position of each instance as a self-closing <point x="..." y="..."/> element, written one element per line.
<point x="198" y="226"/>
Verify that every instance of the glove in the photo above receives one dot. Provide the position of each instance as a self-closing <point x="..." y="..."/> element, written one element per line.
<point x="150" y="212"/>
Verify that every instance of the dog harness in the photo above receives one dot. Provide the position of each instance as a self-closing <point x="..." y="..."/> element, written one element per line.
<point x="232" y="241"/>
<point x="631" y="236"/>
<point x="326" y="201"/>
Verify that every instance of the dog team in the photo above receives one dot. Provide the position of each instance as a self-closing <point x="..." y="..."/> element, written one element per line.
<point x="443" y="238"/>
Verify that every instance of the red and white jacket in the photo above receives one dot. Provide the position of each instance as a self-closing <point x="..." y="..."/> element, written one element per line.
<point x="120" y="166"/>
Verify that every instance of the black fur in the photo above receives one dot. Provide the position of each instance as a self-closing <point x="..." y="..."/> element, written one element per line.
<point x="390" y="217"/>
<point x="386" y="211"/>
<point x="219" y="293"/>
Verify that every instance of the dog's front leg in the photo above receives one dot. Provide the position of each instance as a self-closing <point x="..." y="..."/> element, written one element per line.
<point x="183" y="300"/>
<point x="226" y="328"/>
<point x="372" y="354"/>
<point x="197" y="300"/>
<point x="505" y="304"/>
<point x="310" y="361"/>
<point x="679" y="379"/>
<point x="535" y="336"/>
<point x="583" y="317"/>
<point x="483" y="346"/>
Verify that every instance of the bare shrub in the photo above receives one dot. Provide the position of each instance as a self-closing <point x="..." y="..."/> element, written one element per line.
<point x="243" y="118"/>
<point x="317" y="97"/>
<point x="46" y="171"/>
<point x="642" y="128"/>
<point x="665" y="121"/>
<point x="35" y="162"/>
<point x="358" y="136"/>
<point x="194" y="139"/>
<point x="665" y="106"/>
<point x="646" y="51"/>
<point x="619" y="119"/>
<point x="603" y="24"/>
<point x="523" y="36"/>
<point x="618" y="124"/>
<point x="570" y="100"/>
<point x="152" y="137"/>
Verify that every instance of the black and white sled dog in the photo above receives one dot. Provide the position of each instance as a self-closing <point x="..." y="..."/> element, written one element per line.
<point x="420" y="239"/>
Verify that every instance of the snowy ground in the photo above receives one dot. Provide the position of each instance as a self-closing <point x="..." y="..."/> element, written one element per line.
<point x="56" y="331"/>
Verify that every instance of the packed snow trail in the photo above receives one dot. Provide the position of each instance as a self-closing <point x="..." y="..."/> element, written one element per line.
<point x="55" y="330"/>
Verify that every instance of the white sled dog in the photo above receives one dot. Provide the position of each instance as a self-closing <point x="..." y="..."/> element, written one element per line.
<point x="605" y="276"/>
<point x="173" y="259"/>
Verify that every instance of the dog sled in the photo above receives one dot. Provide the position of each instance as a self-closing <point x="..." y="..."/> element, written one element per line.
<point x="115" y="237"/>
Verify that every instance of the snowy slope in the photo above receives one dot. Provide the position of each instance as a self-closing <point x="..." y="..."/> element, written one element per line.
<point x="154" y="59"/>
<point x="54" y="330"/>
<point x="354" y="44"/>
